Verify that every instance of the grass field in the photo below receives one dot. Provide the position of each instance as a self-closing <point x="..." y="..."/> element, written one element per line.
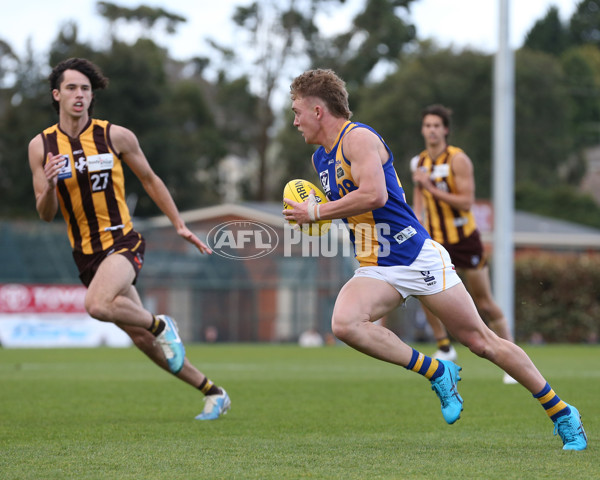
<point x="327" y="413"/>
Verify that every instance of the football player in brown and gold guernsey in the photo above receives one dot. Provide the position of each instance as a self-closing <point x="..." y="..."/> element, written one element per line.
<point x="443" y="198"/>
<point x="77" y="165"/>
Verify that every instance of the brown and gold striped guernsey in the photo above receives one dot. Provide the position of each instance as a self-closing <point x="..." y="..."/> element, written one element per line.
<point x="91" y="186"/>
<point x="444" y="223"/>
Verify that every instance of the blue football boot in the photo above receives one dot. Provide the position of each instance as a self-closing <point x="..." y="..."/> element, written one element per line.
<point x="215" y="406"/>
<point x="445" y="388"/>
<point x="171" y="344"/>
<point x="571" y="431"/>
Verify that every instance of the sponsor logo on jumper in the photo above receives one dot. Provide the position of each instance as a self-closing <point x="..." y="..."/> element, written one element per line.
<point x="460" y="221"/>
<point x="114" y="227"/>
<point x="443" y="186"/>
<point x="65" y="169"/>
<point x="81" y="164"/>
<point x="103" y="161"/>
<point x="405" y="234"/>
<point x="324" y="178"/>
<point x="440" y="171"/>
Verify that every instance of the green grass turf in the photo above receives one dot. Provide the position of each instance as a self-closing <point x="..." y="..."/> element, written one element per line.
<point x="327" y="413"/>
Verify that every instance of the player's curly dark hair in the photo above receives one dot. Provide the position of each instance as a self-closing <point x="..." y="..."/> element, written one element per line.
<point x="440" y="111"/>
<point x="82" y="65"/>
<point x="326" y="85"/>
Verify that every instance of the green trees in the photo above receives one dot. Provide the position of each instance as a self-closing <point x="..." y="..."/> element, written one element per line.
<point x="283" y="37"/>
<point x="548" y="34"/>
<point x="377" y="35"/>
<point x="148" y="93"/>
<point x="187" y="124"/>
<point x="584" y="26"/>
<point x="460" y="81"/>
<point x="562" y="111"/>
<point x="22" y="116"/>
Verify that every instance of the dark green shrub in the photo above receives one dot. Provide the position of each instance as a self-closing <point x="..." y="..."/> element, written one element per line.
<point x="557" y="297"/>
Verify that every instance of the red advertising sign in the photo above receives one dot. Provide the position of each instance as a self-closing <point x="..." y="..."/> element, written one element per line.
<point x="19" y="298"/>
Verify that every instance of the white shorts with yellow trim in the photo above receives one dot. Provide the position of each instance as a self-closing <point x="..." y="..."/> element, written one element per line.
<point x="431" y="272"/>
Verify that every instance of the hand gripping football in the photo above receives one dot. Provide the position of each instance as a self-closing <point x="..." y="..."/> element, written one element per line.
<point x="299" y="190"/>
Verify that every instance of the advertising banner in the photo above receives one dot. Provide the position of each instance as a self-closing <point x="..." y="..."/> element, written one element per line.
<point x="45" y="316"/>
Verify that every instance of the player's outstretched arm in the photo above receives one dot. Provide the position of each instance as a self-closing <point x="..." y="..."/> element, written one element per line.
<point x="127" y="144"/>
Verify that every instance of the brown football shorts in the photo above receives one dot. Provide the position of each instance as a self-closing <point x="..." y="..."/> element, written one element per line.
<point x="132" y="246"/>
<point x="468" y="253"/>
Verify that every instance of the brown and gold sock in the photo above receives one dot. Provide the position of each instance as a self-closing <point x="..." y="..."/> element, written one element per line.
<point x="157" y="327"/>
<point x="443" y="344"/>
<point x="209" y="388"/>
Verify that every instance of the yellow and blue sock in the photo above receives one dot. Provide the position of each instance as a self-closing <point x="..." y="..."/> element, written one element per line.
<point x="429" y="367"/>
<point x="554" y="406"/>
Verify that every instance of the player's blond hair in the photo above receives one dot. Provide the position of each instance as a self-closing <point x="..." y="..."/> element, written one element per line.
<point x="327" y="86"/>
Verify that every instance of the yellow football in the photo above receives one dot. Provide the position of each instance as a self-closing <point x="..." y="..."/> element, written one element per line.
<point x="298" y="190"/>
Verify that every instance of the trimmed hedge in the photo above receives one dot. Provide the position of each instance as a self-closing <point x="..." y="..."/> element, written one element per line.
<point x="557" y="297"/>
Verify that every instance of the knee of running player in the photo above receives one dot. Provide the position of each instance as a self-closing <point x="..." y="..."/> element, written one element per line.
<point x="346" y="323"/>
<point x="481" y="342"/>
<point x="97" y="309"/>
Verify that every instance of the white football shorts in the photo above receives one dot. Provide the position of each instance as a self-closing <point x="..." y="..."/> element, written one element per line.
<point x="431" y="272"/>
